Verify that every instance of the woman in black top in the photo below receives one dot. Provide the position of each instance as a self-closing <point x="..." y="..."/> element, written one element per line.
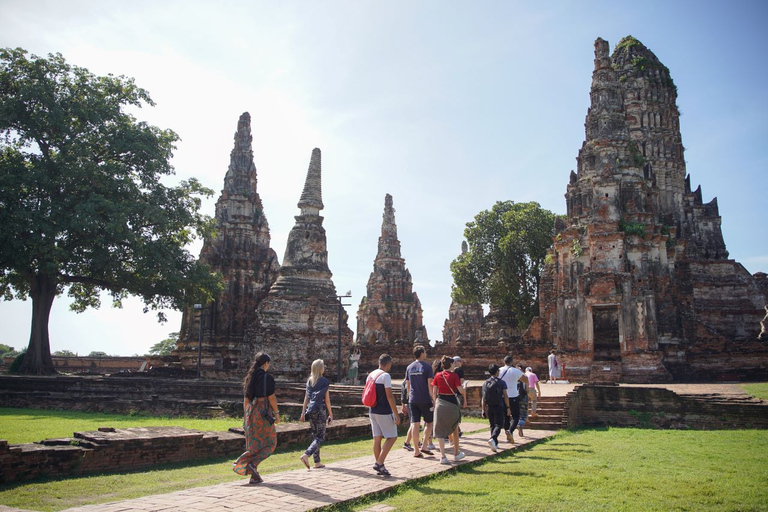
<point x="261" y="415"/>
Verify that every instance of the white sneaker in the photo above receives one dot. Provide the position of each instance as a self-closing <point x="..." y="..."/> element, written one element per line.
<point x="431" y="447"/>
<point x="445" y="460"/>
<point x="493" y="445"/>
<point x="459" y="456"/>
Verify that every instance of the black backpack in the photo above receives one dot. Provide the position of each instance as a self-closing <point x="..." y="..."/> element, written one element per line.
<point x="492" y="391"/>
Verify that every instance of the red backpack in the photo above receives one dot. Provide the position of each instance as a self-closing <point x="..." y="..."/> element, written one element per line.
<point x="369" y="392"/>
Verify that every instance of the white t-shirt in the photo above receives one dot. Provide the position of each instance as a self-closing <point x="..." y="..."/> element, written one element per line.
<point x="510" y="375"/>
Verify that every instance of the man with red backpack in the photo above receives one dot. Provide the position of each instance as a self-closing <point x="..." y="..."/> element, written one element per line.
<point x="384" y="419"/>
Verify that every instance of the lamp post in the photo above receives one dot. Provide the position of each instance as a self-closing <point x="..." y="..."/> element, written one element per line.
<point x="338" y="344"/>
<point x="199" y="308"/>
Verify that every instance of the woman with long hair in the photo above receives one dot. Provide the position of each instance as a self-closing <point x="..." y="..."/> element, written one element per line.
<point x="261" y="415"/>
<point x="447" y="386"/>
<point x="317" y="410"/>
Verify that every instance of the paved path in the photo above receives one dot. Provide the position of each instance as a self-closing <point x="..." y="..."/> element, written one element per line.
<point x="307" y="490"/>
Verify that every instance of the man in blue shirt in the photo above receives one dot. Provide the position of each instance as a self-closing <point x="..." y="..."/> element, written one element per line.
<point x="418" y="378"/>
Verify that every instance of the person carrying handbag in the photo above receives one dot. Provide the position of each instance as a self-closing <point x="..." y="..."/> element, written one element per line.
<point x="260" y="417"/>
<point x="447" y="386"/>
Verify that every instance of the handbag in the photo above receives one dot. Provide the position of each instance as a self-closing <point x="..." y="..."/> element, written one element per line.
<point x="266" y="413"/>
<point x="458" y="398"/>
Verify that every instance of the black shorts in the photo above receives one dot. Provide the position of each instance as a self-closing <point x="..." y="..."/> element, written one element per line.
<point x="419" y="410"/>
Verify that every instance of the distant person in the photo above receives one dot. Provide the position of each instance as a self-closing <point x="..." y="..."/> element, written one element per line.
<point x="554" y="367"/>
<point x="511" y="375"/>
<point x="418" y="381"/>
<point x="447" y="387"/>
<point x="494" y="404"/>
<point x="534" y="390"/>
<point x="261" y="415"/>
<point x="354" y="360"/>
<point x="383" y="415"/>
<point x="522" y="392"/>
<point x="317" y="410"/>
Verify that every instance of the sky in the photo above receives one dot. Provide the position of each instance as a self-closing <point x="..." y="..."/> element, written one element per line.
<point x="449" y="106"/>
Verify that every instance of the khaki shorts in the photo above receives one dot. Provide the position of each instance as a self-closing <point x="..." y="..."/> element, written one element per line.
<point x="383" y="425"/>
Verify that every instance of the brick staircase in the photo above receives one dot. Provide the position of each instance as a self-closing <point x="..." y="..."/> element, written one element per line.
<point x="550" y="414"/>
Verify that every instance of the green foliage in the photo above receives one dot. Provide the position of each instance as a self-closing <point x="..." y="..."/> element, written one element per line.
<point x="637" y="157"/>
<point x="632" y="228"/>
<point x="8" y="351"/>
<point x="82" y="205"/>
<point x="65" y="353"/>
<point x="576" y="249"/>
<point x="165" y="347"/>
<point x="98" y="353"/>
<point x="640" y="63"/>
<point x="502" y="266"/>
<point x="626" y="42"/>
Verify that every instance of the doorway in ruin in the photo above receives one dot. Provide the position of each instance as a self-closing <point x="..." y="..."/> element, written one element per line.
<point x="605" y="324"/>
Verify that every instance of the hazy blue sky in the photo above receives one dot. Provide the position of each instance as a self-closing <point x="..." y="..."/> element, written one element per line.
<point x="449" y="106"/>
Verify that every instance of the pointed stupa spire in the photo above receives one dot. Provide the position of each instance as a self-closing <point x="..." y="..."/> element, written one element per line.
<point x="241" y="174"/>
<point x="311" y="201"/>
<point x="389" y="245"/>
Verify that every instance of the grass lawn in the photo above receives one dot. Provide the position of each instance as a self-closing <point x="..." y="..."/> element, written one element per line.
<point x="758" y="389"/>
<point x="605" y="469"/>
<point x="100" y="488"/>
<point x="30" y="425"/>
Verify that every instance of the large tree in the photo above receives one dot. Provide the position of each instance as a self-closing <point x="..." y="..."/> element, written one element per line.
<point x="82" y="206"/>
<point x="502" y="266"/>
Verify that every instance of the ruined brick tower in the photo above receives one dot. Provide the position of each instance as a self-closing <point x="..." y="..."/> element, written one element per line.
<point x="639" y="287"/>
<point x="391" y="310"/>
<point x="241" y="253"/>
<point x="299" y="316"/>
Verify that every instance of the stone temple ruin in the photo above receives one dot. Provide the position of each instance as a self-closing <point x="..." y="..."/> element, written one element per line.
<point x="639" y="287"/>
<point x="241" y="254"/>
<point x="299" y="318"/>
<point x="390" y="310"/>
<point x="290" y="311"/>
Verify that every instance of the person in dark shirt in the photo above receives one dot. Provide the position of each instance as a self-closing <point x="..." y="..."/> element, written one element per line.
<point x="260" y="417"/>
<point x="384" y="419"/>
<point x="418" y="381"/>
<point x="317" y="410"/>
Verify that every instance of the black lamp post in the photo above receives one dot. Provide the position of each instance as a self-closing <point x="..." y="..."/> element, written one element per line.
<point x="338" y="344"/>
<point x="199" y="308"/>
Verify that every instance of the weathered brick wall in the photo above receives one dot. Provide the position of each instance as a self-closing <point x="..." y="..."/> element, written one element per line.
<point x="595" y="405"/>
<point x="135" y="448"/>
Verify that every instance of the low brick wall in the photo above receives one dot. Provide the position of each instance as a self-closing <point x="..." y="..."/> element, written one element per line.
<point x="619" y="406"/>
<point x="136" y="448"/>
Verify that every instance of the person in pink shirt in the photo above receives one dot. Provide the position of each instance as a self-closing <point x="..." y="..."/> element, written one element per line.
<point x="534" y="390"/>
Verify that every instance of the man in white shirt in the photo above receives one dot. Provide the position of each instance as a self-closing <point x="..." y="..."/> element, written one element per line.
<point x="511" y="375"/>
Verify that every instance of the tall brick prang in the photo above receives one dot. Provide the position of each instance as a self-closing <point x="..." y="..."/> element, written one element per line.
<point x="391" y="310"/>
<point x="240" y="252"/>
<point x="299" y="318"/>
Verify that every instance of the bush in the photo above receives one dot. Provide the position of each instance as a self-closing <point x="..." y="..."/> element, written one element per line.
<point x="16" y="364"/>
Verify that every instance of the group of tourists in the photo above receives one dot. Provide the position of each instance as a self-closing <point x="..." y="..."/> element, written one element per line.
<point x="506" y="396"/>
<point x="433" y="394"/>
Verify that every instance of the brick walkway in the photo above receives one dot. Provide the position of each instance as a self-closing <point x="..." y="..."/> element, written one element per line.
<point x="306" y="490"/>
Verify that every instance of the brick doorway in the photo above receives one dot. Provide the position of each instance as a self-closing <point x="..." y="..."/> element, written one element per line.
<point x="606" y="335"/>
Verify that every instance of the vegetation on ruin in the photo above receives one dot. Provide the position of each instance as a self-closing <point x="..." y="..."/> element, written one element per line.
<point x="502" y="266"/>
<point x="758" y="390"/>
<point x="637" y="157"/>
<point x="632" y="228"/>
<point x="82" y="205"/>
<point x="605" y="469"/>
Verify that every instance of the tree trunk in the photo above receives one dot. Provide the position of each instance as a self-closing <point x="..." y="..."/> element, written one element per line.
<point x="37" y="359"/>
